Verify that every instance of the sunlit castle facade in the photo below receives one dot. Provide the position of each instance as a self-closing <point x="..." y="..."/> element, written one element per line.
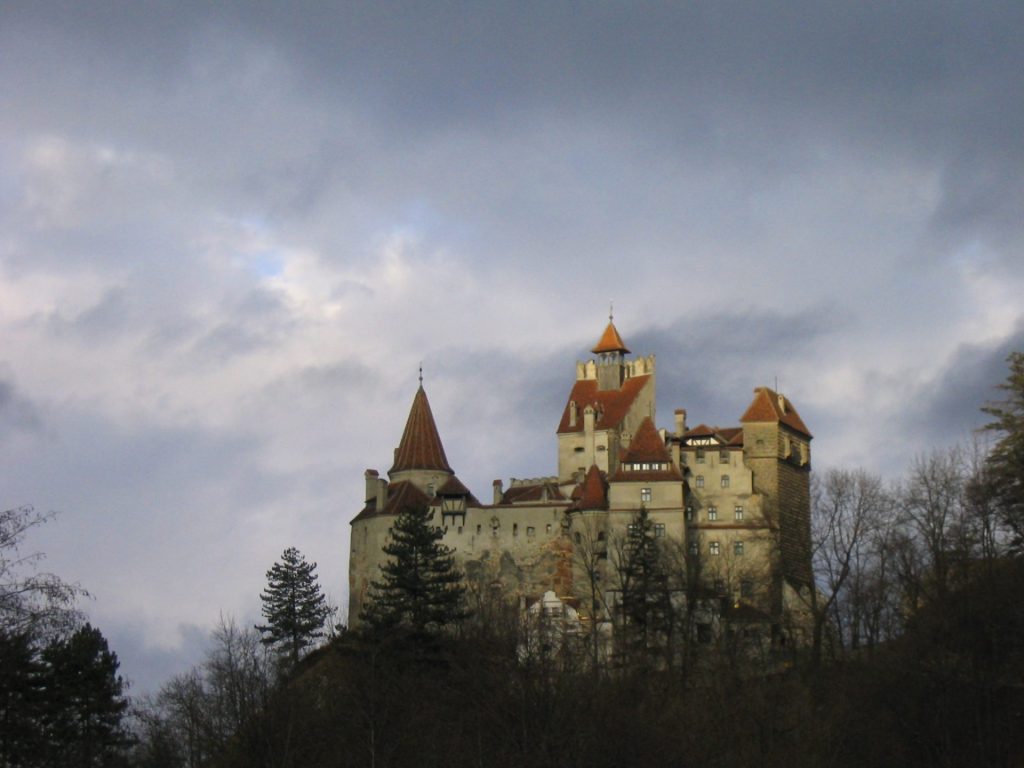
<point x="732" y="504"/>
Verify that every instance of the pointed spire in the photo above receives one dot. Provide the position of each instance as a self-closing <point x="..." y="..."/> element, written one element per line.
<point x="610" y="340"/>
<point x="421" y="444"/>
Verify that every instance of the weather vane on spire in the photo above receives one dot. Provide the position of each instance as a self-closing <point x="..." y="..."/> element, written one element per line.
<point x="421" y="373"/>
<point x="611" y="310"/>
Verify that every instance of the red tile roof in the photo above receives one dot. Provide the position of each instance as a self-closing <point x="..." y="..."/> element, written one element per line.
<point x="610" y="341"/>
<point x="770" y="406"/>
<point x="611" y="404"/>
<point x="420" y="447"/>
<point x="454" y="487"/>
<point x="545" y="491"/>
<point x="729" y="435"/>
<point x="401" y="496"/>
<point x="646" y="445"/>
<point x="593" y="491"/>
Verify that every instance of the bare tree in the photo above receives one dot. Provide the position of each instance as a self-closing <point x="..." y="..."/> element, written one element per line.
<point x="589" y="556"/>
<point x="31" y="601"/>
<point x="847" y="511"/>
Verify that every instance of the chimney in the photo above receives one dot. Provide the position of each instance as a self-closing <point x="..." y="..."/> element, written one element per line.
<point x="371" y="484"/>
<point x="382" y="494"/>
<point x="680" y="421"/>
<point x="497" y="491"/>
<point x="572" y="413"/>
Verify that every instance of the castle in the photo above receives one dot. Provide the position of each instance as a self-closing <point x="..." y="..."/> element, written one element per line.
<point x="731" y="503"/>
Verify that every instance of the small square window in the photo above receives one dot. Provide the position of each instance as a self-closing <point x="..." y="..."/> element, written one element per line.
<point x="460" y="530"/>
<point x="725" y="481"/>
<point x="715" y="548"/>
<point x="689" y="513"/>
<point x="700" y="455"/>
<point x="737" y="513"/>
<point x="547" y="528"/>
<point x="531" y="531"/>
<point x="723" y="457"/>
<point x="700" y="481"/>
<point x="712" y="513"/>
<point x="645" y="494"/>
<point x="478" y="529"/>
<point x="737" y="548"/>
<point x="659" y="530"/>
<point x="515" y="529"/>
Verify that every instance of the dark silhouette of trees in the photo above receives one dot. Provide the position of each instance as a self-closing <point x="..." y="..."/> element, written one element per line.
<point x="1005" y="480"/>
<point x="293" y="605"/>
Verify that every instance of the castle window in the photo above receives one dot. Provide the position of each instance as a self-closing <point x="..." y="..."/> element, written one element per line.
<point x="700" y="481"/>
<point x="737" y="548"/>
<point x="460" y="530"/>
<point x="633" y="530"/>
<point x="725" y="481"/>
<point x="737" y="513"/>
<point x="723" y="457"/>
<point x="712" y="513"/>
<point x="720" y="586"/>
<point x="689" y="513"/>
<point x="645" y="466"/>
<point x="577" y="538"/>
<point x="478" y="529"/>
<point x="547" y="528"/>
<point x="700" y="455"/>
<point x="530" y="531"/>
<point x="693" y="547"/>
<point x="746" y="588"/>
<point x="578" y="449"/>
<point x="715" y="548"/>
<point x="515" y="529"/>
<point x="645" y="494"/>
<point x="659" y="530"/>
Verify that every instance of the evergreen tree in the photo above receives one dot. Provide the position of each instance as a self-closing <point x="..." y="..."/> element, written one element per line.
<point x="293" y="605"/>
<point x="85" y="701"/>
<point x="1005" y="468"/>
<point x="21" y="700"/>
<point x="420" y="591"/>
<point x="646" y="600"/>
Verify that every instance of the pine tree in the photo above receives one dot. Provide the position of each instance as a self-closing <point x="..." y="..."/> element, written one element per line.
<point x="420" y="591"/>
<point x="85" y="702"/>
<point x="1005" y="469"/>
<point x="646" y="600"/>
<point x="293" y="605"/>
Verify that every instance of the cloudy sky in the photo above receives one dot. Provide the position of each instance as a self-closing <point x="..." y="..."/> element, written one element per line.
<point x="229" y="237"/>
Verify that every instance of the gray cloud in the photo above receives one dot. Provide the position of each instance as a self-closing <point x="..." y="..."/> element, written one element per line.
<point x="232" y="232"/>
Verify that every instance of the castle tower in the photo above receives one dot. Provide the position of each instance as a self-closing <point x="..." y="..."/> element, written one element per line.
<point x="776" y="447"/>
<point x="610" y="399"/>
<point x="419" y="457"/>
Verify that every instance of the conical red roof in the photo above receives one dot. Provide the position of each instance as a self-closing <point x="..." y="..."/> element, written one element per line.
<point x="421" y="444"/>
<point x="646" y="445"/>
<point x="769" y="405"/>
<point x="610" y="341"/>
<point x="593" y="492"/>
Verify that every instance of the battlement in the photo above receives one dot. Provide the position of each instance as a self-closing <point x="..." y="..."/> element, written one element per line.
<point x="641" y="366"/>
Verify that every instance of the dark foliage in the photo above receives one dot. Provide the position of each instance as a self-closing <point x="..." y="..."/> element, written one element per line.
<point x="420" y="591"/>
<point x="293" y="605"/>
<point x="1006" y="462"/>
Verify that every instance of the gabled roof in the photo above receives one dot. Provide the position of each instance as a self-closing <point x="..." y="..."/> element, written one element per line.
<point x="401" y="496"/>
<point x="593" y="491"/>
<point x="543" y="491"/>
<point x="454" y="487"/>
<point x="611" y="405"/>
<point x="769" y="406"/>
<point x="646" y="445"/>
<point x="730" y="436"/>
<point x="420" y="447"/>
<point x="610" y="341"/>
